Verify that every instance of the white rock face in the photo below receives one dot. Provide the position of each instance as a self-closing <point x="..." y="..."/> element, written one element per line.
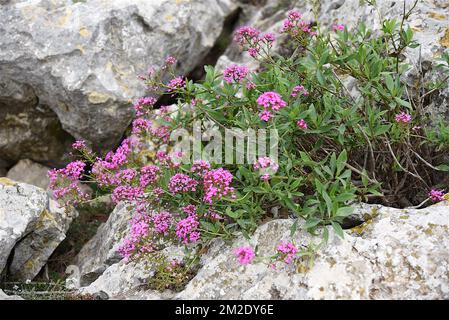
<point x="397" y="254"/>
<point x="401" y="254"/>
<point x="81" y="59"/>
<point x="32" y="225"/>
<point x="4" y="296"/>
<point x="101" y="251"/>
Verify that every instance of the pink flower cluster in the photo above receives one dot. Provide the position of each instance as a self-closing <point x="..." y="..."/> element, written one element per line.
<point x="436" y="195"/>
<point x="142" y="105"/>
<point x="181" y="183"/>
<point x="65" y="181"/>
<point x="403" y="117"/>
<point x="252" y="40"/>
<point x="293" y="25"/>
<point x="270" y="101"/>
<point x="141" y="125"/>
<point x="302" y="124"/>
<point x="235" y="73"/>
<point x="266" y="166"/>
<point x="200" y="167"/>
<point x="126" y="193"/>
<point x="170" y="60"/>
<point x="176" y="84"/>
<point x="287" y="251"/>
<point x="299" y="89"/>
<point x="79" y="145"/>
<point x="148" y="175"/>
<point x="245" y="255"/>
<point x="187" y="229"/>
<point x="135" y="243"/>
<point x="162" y="222"/>
<point x="217" y="184"/>
<point x="338" y="27"/>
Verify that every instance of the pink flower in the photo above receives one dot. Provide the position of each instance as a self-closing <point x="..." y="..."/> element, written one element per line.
<point x="265" y="115"/>
<point x="74" y="169"/>
<point x="436" y="195"/>
<point x="142" y="104"/>
<point x="288" y="251"/>
<point x="126" y="193"/>
<point x="162" y="222"/>
<point x="217" y="184"/>
<point x="190" y="210"/>
<point x="170" y="60"/>
<point x="266" y="167"/>
<point x="338" y="27"/>
<point x="200" y="167"/>
<point x="403" y="117"/>
<point x="246" y="35"/>
<point x="302" y="124"/>
<point x="298" y="89"/>
<point x="126" y="175"/>
<point x="141" y="125"/>
<point x="269" y="37"/>
<point x="235" y="73"/>
<point x="271" y="100"/>
<point x="245" y="255"/>
<point x="181" y="183"/>
<point x="79" y="145"/>
<point x="294" y="26"/>
<point x="148" y="175"/>
<point x="176" y="84"/>
<point x="186" y="229"/>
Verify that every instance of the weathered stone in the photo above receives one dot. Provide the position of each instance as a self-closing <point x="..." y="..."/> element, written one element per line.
<point x="101" y="251"/>
<point x="4" y="296"/>
<point x="399" y="254"/>
<point x="31" y="227"/>
<point x="81" y="59"/>
<point x="129" y="280"/>
<point x="30" y="172"/>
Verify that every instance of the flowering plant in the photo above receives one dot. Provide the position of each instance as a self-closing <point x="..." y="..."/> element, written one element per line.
<point x="335" y="147"/>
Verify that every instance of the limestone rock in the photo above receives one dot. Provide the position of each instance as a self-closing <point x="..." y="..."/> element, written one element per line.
<point x="30" y="172"/>
<point x="82" y="58"/>
<point x="101" y="251"/>
<point x="400" y="254"/>
<point x="4" y="296"/>
<point x="31" y="227"/>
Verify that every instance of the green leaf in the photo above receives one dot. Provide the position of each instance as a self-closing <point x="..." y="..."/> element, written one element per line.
<point x="443" y="167"/>
<point x="311" y="222"/>
<point x="338" y="230"/>
<point x="344" y="211"/>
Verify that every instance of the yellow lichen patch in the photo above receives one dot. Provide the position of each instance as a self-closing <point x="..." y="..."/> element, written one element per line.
<point x="80" y="48"/>
<point x="62" y="21"/>
<point x="7" y="182"/>
<point x="98" y="97"/>
<point x="437" y="16"/>
<point x="416" y="29"/>
<point x="446" y="196"/>
<point x="84" y="32"/>
<point x="444" y="41"/>
<point x="182" y="1"/>
<point x="169" y="18"/>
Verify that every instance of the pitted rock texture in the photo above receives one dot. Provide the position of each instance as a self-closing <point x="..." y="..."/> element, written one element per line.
<point x="31" y="227"/>
<point x="30" y="172"/>
<point x="82" y="58"/>
<point x="101" y="251"/>
<point x="400" y="254"/>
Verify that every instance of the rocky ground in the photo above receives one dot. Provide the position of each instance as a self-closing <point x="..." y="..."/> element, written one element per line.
<point x="68" y="70"/>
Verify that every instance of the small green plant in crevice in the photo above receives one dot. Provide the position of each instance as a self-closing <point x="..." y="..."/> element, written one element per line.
<point x="334" y="148"/>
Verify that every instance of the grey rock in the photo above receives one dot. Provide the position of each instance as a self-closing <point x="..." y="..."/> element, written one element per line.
<point x="81" y="59"/>
<point x="4" y="296"/>
<point x="101" y="251"/>
<point x="31" y="226"/>
<point x="124" y="280"/>
<point x="400" y="254"/>
<point x="30" y="172"/>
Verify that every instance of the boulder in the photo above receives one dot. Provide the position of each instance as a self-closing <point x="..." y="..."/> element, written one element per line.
<point x="30" y="172"/>
<point x="399" y="254"/>
<point x="4" y="296"/>
<point x="78" y="61"/>
<point x="31" y="227"/>
<point x="101" y="251"/>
